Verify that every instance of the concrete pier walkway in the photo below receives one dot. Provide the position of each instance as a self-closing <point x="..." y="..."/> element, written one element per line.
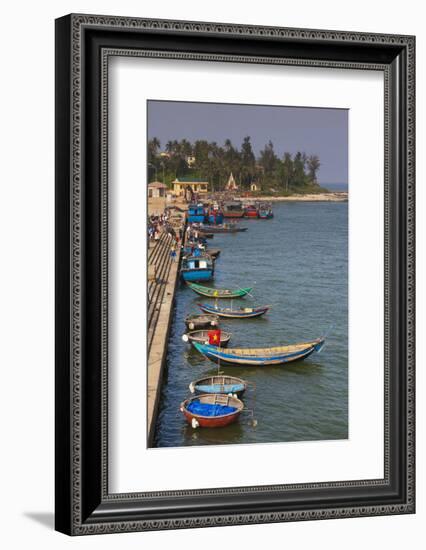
<point x="163" y="275"/>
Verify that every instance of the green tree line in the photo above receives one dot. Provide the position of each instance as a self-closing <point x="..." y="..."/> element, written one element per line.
<point x="286" y="174"/>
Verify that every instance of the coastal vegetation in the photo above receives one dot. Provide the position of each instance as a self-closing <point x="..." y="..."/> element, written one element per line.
<point x="272" y="173"/>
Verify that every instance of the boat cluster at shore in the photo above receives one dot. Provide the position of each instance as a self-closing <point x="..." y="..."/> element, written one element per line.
<point x="216" y="399"/>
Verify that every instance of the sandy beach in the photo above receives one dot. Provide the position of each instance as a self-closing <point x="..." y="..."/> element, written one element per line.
<point x="340" y="196"/>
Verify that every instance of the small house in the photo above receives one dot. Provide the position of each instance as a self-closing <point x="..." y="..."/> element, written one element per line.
<point x="157" y="190"/>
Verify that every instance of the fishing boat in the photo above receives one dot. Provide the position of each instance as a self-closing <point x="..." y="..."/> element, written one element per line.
<point x="202" y="337"/>
<point x="223" y="228"/>
<point x="219" y="384"/>
<point x="212" y="410"/>
<point x="215" y="217"/>
<point x="197" y="268"/>
<point x="219" y="292"/>
<point x="260" y="357"/>
<point x="265" y="212"/>
<point x="196" y="321"/>
<point x="228" y="312"/>
<point x="196" y="213"/>
<point x="233" y="209"/>
<point x="251" y="211"/>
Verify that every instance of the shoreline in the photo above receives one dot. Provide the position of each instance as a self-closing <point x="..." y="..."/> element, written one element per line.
<point x="337" y="196"/>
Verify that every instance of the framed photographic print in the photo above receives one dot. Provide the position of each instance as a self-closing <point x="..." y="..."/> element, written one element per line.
<point x="234" y="274"/>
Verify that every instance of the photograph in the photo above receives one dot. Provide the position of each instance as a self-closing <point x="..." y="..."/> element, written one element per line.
<point x="247" y="273"/>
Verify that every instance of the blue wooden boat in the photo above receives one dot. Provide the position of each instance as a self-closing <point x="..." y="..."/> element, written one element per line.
<point x="260" y="357"/>
<point x="219" y="384"/>
<point x="197" y="268"/>
<point x="228" y="312"/>
<point x="215" y="217"/>
<point x="196" y="213"/>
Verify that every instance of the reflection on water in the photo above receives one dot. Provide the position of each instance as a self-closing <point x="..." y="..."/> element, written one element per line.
<point x="297" y="262"/>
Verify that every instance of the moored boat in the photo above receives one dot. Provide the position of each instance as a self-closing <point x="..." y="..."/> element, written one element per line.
<point x="197" y="321"/>
<point x="230" y="313"/>
<point x="202" y="337"/>
<point x="260" y="357"/>
<point x="219" y="384"/>
<point x="251" y="211"/>
<point x="197" y="268"/>
<point x="196" y="213"/>
<point x="233" y="209"/>
<point x="219" y="292"/>
<point x="211" y="410"/>
<point x="265" y="212"/>
<point x="223" y="228"/>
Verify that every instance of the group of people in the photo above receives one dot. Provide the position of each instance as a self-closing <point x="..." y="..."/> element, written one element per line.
<point x="157" y="224"/>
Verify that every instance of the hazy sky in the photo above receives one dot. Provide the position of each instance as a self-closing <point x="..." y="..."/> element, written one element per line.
<point x="322" y="132"/>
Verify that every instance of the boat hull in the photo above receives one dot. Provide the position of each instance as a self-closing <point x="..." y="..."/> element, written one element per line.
<point x="229" y="314"/>
<point x="255" y="358"/>
<point x="196" y="218"/>
<point x="212" y="421"/>
<point x="195" y="275"/>
<point x="218" y="292"/>
<point x="197" y="322"/>
<point x="202" y="337"/>
<point x="233" y="214"/>
<point x="219" y="384"/>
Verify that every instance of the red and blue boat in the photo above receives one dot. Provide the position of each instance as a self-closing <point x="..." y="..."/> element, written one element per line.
<point x="260" y="357"/>
<point x="211" y="410"/>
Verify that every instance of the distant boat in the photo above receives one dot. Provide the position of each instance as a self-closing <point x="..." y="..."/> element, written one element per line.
<point x="215" y="217"/>
<point x="197" y="268"/>
<point x="202" y="337"/>
<point x="251" y="211"/>
<point x="219" y="384"/>
<point x="260" y="357"/>
<point x="241" y="313"/>
<point x="211" y="410"/>
<point x="265" y="212"/>
<point x="233" y="209"/>
<point x="197" y="321"/>
<point x="196" y="213"/>
<point x="224" y="228"/>
<point x="218" y="292"/>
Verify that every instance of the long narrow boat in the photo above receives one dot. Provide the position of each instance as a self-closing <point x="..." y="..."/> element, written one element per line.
<point x="219" y="292"/>
<point x="260" y="357"/>
<point x="211" y="410"/>
<point x="241" y="313"/>
<point x="202" y="337"/>
<point x="224" y="228"/>
<point x="219" y="384"/>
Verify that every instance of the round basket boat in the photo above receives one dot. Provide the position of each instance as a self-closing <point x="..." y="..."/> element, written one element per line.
<point x="202" y="337"/>
<point x="195" y="322"/>
<point x="219" y="384"/>
<point x="211" y="410"/>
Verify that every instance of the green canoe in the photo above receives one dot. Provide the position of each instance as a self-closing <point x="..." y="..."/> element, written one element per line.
<point x="218" y="292"/>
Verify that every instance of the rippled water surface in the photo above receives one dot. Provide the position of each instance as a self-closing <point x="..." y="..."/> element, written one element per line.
<point x="297" y="262"/>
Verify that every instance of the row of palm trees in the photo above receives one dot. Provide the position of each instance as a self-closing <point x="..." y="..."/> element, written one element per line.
<point x="213" y="163"/>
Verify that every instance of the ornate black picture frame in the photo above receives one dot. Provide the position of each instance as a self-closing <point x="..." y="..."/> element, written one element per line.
<point x="83" y="45"/>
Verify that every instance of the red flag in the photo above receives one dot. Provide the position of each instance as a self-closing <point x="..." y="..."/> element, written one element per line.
<point x="214" y="337"/>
